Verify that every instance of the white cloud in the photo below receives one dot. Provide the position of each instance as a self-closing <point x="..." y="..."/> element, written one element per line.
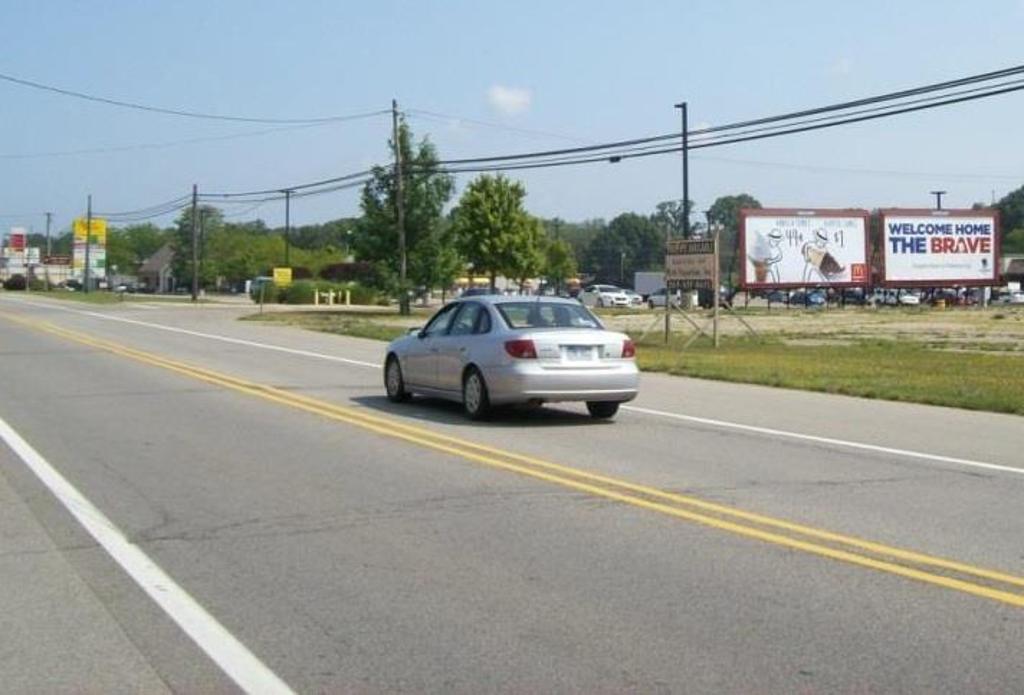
<point x="509" y="101"/>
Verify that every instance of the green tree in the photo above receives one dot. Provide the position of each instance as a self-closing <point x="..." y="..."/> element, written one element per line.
<point x="725" y="211"/>
<point x="211" y="223"/>
<point x="493" y="230"/>
<point x="1013" y="242"/>
<point x="436" y="262"/>
<point x="425" y="193"/>
<point x="577" y="234"/>
<point x="559" y="262"/>
<point x="1011" y="209"/>
<point x="630" y="243"/>
<point x="668" y="215"/>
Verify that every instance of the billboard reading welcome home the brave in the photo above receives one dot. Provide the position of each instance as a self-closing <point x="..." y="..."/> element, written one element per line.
<point x="940" y="247"/>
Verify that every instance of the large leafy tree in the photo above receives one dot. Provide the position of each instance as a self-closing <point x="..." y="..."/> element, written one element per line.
<point x="211" y="222"/>
<point x="669" y="216"/>
<point x="425" y="192"/>
<point x="1011" y="220"/>
<point x="494" y="232"/>
<point x="725" y="211"/>
<point x="630" y="243"/>
<point x="559" y="262"/>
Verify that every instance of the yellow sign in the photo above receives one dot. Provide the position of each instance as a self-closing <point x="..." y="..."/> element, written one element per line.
<point x="97" y="235"/>
<point x="282" y="277"/>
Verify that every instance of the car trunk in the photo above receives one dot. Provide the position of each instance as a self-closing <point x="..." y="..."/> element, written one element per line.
<point x="584" y="349"/>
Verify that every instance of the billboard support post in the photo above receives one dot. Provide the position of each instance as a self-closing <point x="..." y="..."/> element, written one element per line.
<point x="714" y="289"/>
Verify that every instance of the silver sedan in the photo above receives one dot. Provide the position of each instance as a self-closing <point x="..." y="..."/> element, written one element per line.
<point x="492" y="350"/>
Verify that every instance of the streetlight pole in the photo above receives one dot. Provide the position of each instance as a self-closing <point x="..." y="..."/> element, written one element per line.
<point x="938" y="198"/>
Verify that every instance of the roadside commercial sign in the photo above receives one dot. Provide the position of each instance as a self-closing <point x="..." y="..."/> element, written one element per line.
<point x="940" y="247"/>
<point x="690" y="264"/>
<point x="784" y="248"/>
<point x="97" y="233"/>
<point x="96" y="237"/>
<point x="282" y="277"/>
<point x="18" y="238"/>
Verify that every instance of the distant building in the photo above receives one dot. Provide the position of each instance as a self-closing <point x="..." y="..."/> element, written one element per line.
<point x="155" y="274"/>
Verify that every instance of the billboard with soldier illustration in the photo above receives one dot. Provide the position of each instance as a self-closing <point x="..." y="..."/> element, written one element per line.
<point x="782" y="248"/>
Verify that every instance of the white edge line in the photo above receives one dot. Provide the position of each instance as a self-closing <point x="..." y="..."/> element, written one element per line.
<point x="211" y="336"/>
<point x="241" y="665"/>
<point x="907" y="453"/>
<point x="827" y="440"/>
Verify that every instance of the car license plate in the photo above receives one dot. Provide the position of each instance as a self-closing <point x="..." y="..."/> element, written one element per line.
<point x="578" y="353"/>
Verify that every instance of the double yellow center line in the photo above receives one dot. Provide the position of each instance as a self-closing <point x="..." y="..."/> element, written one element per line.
<point x="990" y="584"/>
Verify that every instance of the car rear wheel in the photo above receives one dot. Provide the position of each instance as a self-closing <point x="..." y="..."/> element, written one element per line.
<point x="394" y="384"/>
<point x="474" y="395"/>
<point x="602" y="410"/>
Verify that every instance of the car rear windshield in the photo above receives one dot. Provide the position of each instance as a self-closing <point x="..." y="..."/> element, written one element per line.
<point x="544" y="315"/>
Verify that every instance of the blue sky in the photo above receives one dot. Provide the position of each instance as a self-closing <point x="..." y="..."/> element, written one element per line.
<point x="578" y="72"/>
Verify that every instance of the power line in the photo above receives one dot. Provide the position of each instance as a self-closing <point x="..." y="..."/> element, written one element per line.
<point x="434" y="115"/>
<point x="160" y="145"/>
<point x="892" y="96"/>
<point x="615" y="155"/>
<point x="298" y="187"/>
<point x="181" y="112"/>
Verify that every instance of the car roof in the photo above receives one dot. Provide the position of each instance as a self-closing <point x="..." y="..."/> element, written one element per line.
<point x="503" y="299"/>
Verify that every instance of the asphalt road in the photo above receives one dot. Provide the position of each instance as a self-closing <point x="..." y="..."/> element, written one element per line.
<point x="714" y="538"/>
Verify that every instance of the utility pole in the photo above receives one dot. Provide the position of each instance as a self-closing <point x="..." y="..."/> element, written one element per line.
<point x="195" y="243"/>
<point x="686" y="172"/>
<point x="49" y="219"/>
<point x="403" y="298"/>
<point x="938" y="198"/>
<point x="88" y="241"/>
<point x="287" y="224"/>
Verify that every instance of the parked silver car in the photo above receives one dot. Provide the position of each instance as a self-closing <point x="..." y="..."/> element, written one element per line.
<point x="492" y="350"/>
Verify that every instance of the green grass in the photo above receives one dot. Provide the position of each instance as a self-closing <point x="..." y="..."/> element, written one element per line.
<point x="372" y="325"/>
<point x="108" y="297"/>
<point x="894" y="370"/>
<point x="98" y="297"/>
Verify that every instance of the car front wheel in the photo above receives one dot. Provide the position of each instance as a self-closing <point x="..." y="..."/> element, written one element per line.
<point x="475" y="400"/>
<point x="602" y="410"/>
<point x="394" y="384"/>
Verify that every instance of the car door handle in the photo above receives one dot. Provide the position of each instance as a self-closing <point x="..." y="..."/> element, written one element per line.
<point x="434" y="349"/>
<point x="463" y="348"/>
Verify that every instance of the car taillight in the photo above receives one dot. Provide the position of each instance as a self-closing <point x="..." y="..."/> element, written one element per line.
<point x="628" y="348"/>
<point x="521" y="349"/>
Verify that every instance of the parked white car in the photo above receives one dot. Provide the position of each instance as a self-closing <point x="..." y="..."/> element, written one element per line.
<point x="657" y="298"/>
<point x="1014" y="297"/>
<point x="604" y="296"/>
<point x="636" y="300"/>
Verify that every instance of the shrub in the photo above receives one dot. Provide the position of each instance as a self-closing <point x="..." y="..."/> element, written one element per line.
<point x="36" y="285"/>
<point x="15" y="282"/>
<point x="300" y="292"/>
<point x="301" y="273"/>
<point x="271" y="292"/>
<point x="361" y="294"/>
